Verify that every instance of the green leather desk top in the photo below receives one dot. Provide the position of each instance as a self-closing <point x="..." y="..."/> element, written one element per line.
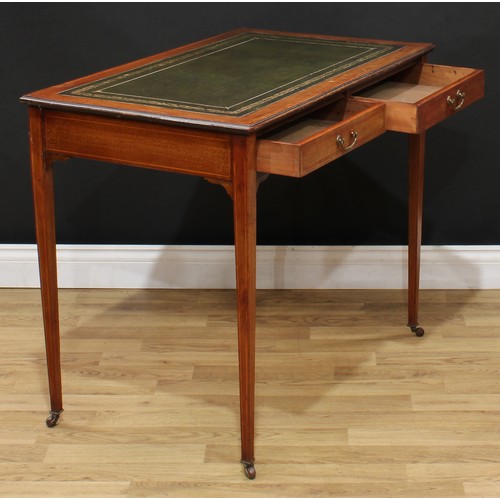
<point x="244" y="80"/>
<point x="235" y="76"/>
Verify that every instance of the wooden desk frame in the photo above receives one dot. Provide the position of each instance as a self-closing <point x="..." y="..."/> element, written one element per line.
<point x="225" y="155"/>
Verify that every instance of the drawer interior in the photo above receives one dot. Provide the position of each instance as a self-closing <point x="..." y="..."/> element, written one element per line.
<point x="299" y="131"/>
<point x="415" y="84"/>
<point x="400" y="92"/>
<point x="303" y="129"/>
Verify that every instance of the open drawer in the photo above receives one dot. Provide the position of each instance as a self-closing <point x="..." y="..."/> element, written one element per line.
<point x="316" y="139"/>
<point x="426" y="94"/>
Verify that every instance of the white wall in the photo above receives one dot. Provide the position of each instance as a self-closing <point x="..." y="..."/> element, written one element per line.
<point x="308" y="267"/>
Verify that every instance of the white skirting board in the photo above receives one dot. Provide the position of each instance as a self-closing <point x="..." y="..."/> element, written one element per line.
<point x="278" y="267"/>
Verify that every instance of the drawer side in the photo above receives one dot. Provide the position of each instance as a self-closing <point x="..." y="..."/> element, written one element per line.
<point x="144" y="144"/>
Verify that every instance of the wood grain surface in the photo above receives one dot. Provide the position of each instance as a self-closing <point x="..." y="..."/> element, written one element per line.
<point x="348" y="402"/>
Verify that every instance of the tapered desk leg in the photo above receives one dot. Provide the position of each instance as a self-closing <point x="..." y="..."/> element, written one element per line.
<point x="43" y="194"/>
<point x="416" y="193"/>
<point x="244" y="207"/>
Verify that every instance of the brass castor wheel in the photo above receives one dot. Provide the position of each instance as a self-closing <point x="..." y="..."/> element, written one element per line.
<point x="53" y="418"/>
<point x="417" y="330"/>
<point x="249" y="470"/>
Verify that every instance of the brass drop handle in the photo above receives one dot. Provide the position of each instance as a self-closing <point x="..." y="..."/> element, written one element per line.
<point x="341" y="143"/>
<point x="456" y="102"/>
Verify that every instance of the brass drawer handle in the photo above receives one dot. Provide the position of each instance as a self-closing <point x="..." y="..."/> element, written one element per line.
<point x="456" y="103"/>
<point x="341" y="143"/>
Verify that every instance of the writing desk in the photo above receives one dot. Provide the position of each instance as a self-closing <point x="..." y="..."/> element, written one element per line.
<point x="234" y="109"/>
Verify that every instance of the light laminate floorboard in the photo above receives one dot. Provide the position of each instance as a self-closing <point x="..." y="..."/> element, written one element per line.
<point x="348" y="402"/>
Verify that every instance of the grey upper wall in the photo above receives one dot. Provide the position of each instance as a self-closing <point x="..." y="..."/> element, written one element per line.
<point x="359" y="199"/>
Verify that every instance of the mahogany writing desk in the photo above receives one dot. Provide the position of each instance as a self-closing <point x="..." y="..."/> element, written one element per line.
<point x="234" y="109"/>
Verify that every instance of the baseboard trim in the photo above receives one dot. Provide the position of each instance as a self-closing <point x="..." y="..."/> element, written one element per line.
<point x="278" y="267"/>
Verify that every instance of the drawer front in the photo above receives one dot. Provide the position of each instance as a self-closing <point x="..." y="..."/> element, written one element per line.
<point x="421" y="97"/>
<point x="452" y="98"/>
<point x="320" y="138"/>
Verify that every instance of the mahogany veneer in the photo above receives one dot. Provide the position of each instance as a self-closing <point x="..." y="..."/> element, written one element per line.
<point x="233" y="109"/>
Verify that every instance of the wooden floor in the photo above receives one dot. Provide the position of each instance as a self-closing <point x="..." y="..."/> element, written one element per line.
<point x="349" y="402"/>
